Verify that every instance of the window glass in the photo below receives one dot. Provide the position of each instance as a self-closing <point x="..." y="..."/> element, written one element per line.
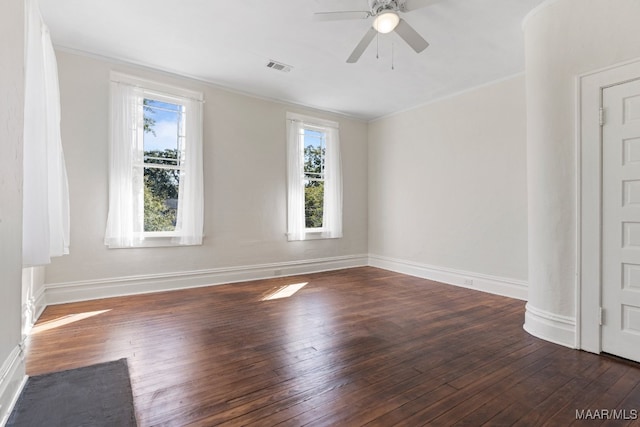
<point x="314" y="158"/>
<point x="162" y="164"/>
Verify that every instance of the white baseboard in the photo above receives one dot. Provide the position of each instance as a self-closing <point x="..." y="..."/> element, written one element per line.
<point x="512" y="288"/>
<point x="32" y="309"/>
<point x="12" y="380"/>
<point x="550" y="327"/>
<point x="60" y="293"/>
<point x="40" y="303"/>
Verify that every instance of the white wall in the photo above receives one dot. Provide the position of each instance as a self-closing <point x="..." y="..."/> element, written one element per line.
<point x="11" y="131"/>
<point x="563" y="39"/>
<point x="245" y="179"/>
<point x="447" y="183"/>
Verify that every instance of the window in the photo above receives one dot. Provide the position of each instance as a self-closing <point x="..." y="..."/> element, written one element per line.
<point x="155" y="176"/>
<point x="314" y="178"/>
<point x="163" y="145"/>
<point x="315" y="143"/>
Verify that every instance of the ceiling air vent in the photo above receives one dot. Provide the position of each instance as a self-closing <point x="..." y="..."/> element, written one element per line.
<point x="279" y="66"/>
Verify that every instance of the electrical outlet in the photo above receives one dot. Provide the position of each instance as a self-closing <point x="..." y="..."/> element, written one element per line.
<point x="468" y="282"/>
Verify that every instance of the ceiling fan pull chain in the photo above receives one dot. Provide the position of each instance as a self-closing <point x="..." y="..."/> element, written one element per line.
<point x="392" y="67"/>
<point x="377" y="45"/>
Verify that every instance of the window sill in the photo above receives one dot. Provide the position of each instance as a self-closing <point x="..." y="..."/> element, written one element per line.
<point x="156" y="242"/>
<point x="313" y="235"/>
<point x="153" y="242"/>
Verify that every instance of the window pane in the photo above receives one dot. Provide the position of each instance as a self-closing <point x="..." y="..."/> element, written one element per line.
<point x="313" y="203"/>
<point x="314" y="150"/>
<point x="162" y="131"/>
<point x="160" y="199"/>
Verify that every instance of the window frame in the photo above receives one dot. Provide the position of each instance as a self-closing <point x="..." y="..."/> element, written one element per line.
<point x="324" y="126"/>
<point x="167" y="99"/>
<point x="323" y="129"/>
<point x="166" y="93"/>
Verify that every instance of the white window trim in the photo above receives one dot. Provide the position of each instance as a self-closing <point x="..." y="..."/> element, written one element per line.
<point x="169" y="92"/>
<point x="310" y="233"/>
<point x="313" y="121"/>
<point x="172" y="94"/>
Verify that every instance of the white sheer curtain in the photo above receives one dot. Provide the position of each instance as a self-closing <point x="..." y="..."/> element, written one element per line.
<point x="190" y="220"/>
<point x="295" y="181"/>
<point x="126" y="192"/>
<point x="45" y="187"/>
<point x="332" y="213"/>
<point x="125" y="222"/>
<point x="332" y="209"/>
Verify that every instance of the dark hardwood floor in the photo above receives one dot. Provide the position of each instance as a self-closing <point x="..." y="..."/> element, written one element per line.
<point x="362" y="346"/>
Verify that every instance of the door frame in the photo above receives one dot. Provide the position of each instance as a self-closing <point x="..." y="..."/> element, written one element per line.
<point x="589" y="197"/>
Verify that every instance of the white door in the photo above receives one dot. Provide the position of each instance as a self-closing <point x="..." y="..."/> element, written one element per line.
<point x="621" y="220"/>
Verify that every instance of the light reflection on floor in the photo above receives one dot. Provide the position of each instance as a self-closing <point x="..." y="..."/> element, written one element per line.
<point x="64" y="320"/>
<point x="283" y="291"/>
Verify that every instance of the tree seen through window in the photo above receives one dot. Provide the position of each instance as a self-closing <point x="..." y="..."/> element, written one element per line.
<point x="314" y="156"/>
<point x="163" y="124"/>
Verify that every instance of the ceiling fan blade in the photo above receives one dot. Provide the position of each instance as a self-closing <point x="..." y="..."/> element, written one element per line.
<point x="410" y="5"/>
<point x="411" y="36"/>
<point x="364" y="43"/>
<point x="343" y="4"/>
<point x="341" y="15"/>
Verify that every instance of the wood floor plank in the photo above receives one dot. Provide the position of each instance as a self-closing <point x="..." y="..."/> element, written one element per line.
<point x="534" y="406"/>
<point x="361" y="346"/>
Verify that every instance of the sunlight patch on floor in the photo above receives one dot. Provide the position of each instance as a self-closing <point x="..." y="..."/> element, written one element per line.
<point x="64" y="320"/>
<point x="283" y="291"/>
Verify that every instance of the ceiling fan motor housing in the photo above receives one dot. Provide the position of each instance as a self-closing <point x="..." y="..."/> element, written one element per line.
<point x="380" y="6"/>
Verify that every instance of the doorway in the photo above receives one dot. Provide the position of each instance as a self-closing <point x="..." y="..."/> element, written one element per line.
<point x="608" y="294"/>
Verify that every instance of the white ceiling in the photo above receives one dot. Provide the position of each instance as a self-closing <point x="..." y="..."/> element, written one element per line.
<point x="229" y="44"/>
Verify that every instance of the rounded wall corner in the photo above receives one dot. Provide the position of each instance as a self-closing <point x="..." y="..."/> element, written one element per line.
<point x="550" y="327"/>
<point x="534" y="11"/>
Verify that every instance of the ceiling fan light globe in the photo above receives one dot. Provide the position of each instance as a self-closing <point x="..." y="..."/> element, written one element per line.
<point x="386" y="22"/>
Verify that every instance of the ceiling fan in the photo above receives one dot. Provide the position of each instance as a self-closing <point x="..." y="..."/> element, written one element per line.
<point x="386" y="18"/>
